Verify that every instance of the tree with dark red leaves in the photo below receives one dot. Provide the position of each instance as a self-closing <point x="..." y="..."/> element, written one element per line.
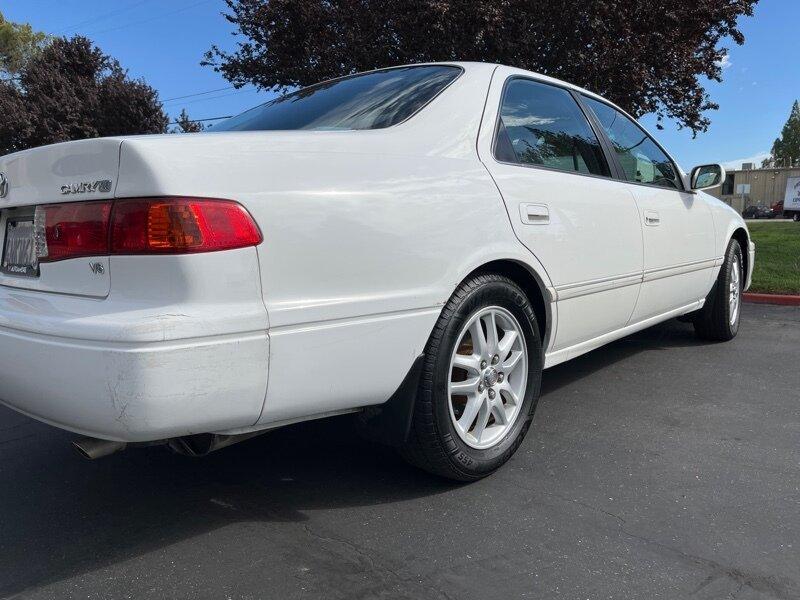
<point x="649" y="56"/>
<point x="70" y="90"/>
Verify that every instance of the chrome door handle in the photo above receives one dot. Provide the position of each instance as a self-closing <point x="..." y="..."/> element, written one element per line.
<point x="651" y="218"/>
<point x="534" y="214"/>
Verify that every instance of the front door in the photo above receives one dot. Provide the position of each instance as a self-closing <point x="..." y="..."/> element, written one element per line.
<point x="581" y="224"/>
<point x="678" y="231"/>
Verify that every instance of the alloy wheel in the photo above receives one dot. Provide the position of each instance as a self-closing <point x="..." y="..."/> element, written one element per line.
<point x="488" y="377"/>
<point x="734" y="292"/>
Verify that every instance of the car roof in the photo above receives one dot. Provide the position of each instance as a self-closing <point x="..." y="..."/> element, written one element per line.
<point x="470" y="65"/>
<point x="475" y="66"/>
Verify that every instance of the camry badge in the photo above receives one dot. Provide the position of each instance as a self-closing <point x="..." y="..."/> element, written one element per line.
<point x="87" y="187"/>
<point x="3" y="185"/>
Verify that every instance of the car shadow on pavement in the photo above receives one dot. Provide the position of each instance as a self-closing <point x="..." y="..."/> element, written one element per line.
<point x="671" y="334"/>
<point x="61" y="516"/>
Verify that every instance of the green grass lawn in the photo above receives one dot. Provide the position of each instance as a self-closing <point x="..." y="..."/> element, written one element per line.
<point x="777" y="257"/>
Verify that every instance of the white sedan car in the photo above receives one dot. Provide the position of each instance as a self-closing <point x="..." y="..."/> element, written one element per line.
<point x="415" y="244"/>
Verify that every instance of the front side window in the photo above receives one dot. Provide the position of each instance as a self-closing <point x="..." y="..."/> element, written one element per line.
<point x="641" y="158"/>
<point x="541" y="124"/>
<point x="367" y="101"/>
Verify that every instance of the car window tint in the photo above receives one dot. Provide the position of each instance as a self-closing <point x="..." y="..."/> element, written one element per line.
<point x="367" y="101"/>
<point x="542" y="124"/>
<point x="641" y="158"/>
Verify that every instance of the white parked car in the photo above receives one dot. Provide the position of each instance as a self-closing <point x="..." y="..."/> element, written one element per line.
<point x="415" y="244"/>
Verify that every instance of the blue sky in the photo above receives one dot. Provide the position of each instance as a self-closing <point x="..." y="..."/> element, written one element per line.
<point x="164" y="40"/>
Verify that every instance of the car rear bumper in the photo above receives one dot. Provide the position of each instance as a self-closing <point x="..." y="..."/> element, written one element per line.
<point x="135" y="392"/>
<point x="179" y="346"/>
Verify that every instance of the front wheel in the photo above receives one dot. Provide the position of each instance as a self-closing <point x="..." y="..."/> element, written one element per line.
<point x="718" y="320"/>
<point x="796" y="217"/>
<point x="480" y="381"/>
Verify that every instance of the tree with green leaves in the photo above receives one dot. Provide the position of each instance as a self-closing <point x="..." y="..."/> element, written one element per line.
<point x="187" y="125"/>
<point x="786" y="149"/>
<point x="71" y="90"/>
<point x="648" y="57"/>
<point x="18" y="44"/>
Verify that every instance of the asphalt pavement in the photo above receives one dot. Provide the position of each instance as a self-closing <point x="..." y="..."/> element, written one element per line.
<point x="656" y="467"/>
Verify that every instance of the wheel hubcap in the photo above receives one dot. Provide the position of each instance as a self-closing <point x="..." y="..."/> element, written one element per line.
<point x="488" y="376"/>
<point x="734" y="292"/>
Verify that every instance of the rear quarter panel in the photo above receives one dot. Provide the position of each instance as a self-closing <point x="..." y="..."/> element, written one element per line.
<point x="360" y="253"/>
<point x="357" y="263"/>
<point x="366" y="236"/>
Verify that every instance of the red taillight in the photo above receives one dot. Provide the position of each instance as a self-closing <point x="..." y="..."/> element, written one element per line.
<point x="142" y="226"/>
<point x="72" y="230"/>
<point x="180" y="226"/>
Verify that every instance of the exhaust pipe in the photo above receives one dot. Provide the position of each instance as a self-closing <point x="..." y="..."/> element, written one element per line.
<point x="93" y="448"/>
<point x="192" y="445"/>
<point x="206" y="443"/>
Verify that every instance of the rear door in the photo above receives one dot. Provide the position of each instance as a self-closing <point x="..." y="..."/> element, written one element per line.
<point x="564" y="205"/>
<point x="677" y="225"/>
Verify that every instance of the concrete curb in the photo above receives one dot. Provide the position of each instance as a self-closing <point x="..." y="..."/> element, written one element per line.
<point x="782" y="299"/>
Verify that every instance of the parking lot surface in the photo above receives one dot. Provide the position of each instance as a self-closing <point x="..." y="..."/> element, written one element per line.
<point x="657" y="467"/>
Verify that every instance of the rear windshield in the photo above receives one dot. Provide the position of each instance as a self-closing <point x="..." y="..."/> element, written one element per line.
<point x="368" y="101"/>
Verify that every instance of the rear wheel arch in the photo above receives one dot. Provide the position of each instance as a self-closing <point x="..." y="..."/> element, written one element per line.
<point x="390" y="421"/>
<point x="530" y="282"/>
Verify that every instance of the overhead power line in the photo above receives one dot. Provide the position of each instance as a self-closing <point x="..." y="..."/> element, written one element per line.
<point x="201" y="120"/>
<point x="151" y="19"/>
<point x="222" y="89"/>
<point x="101" y="17"/>
<point x="206" y="98"/>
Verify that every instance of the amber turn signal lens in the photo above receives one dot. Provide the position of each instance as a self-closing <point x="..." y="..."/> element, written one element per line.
<point x="180" y="226"/>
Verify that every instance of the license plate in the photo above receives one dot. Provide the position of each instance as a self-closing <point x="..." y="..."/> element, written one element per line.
<point x="19" y="251"/>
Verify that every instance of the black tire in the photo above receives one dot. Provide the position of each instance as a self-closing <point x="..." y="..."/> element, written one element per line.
<point x="713" y="321"/>
<point x="796" y="217"/>
<point x="433" y="442"/>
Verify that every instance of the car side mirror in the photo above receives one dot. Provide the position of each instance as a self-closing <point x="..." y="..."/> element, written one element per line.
<point x="707" y="176"/>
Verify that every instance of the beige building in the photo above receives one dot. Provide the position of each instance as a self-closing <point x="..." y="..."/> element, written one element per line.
<point x="760" y="187"/>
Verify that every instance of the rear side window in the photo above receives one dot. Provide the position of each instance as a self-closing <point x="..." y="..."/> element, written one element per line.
<point x="367" y="101"/>
<point x="542" y="124"/>
<point x="641" y="158"/>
